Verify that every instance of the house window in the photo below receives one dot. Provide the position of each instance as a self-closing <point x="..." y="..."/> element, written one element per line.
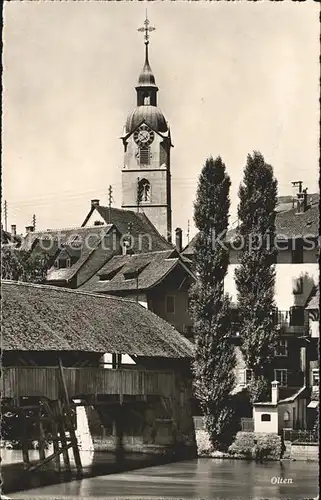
<point x="286" y="416"/>
<point x="315" y="377"/>
<point x="248" y="376"/>
<point x="297" y="251"/>
<point x="68" y="262"/>
<point x="265" y="417"/>
<point x="144" y="156"/>
<point x="62" y="263"/>
<point x="170" y="304"/>
<point x="282" y="348"/>
<point x="281" y="376"/>
<point x="298" y="286"/>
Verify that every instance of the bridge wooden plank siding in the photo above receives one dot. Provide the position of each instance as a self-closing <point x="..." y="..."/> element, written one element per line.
<point x="52" y="357"/>
<point x="20" y="381"/>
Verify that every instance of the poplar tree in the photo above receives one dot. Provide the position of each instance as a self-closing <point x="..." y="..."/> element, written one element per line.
<point x="214" y="355"/>
<point x="255" y="276"/>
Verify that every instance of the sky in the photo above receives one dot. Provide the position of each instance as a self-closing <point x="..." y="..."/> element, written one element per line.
<point x="233" y="77"/>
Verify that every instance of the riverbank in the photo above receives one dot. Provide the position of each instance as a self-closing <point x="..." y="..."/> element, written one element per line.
<point x="249" y="451"/>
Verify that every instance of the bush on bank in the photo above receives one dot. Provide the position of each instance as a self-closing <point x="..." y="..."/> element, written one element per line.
<point x="256" y="446"/>
<point x="247" y="445"/>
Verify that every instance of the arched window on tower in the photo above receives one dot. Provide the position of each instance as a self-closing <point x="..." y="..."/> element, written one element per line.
<point x="144" y="191"/>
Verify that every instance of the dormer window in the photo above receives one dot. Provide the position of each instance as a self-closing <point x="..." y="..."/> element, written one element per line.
<point x="129" y="275"/>
<point x="134" y="272"/>
<point x="62" y="263"/>
<point x="108" y="275"/>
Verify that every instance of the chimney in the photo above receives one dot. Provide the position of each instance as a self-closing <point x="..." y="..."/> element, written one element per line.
<point x="296" y="190"/>
<point x="94" y="203"/>
<point x="13" y="230"/>
<point x="178" y="239"/>
<point x="302" y="201"/>
<point x="275" y="391"/>
<point x="305" y="199"/>
<point x="30" y="229"/>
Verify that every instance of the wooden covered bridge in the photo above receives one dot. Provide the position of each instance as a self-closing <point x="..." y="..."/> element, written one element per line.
<point x="126" y="366"/>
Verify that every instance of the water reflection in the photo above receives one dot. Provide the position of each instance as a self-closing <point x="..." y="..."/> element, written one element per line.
<point x="203" y="478"/>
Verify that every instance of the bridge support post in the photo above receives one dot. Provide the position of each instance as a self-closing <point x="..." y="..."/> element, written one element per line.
<point x="62" y="434"/>
<point x="41" y="440"/>
<point x="68" y="419"/>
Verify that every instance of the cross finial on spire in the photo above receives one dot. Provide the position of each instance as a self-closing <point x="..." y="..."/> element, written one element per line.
<point x="146" y="29"/>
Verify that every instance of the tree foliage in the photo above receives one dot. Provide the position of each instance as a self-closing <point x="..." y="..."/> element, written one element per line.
<point x="22" y="265"/>
<point x="255" y="277"/>
<point x="214" y="358"/>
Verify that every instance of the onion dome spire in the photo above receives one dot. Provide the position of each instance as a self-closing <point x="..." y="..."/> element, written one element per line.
<point x="146" y="88"/>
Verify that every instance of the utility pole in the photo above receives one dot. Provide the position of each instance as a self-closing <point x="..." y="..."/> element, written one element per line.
<point x="34" y="221"/>
<point x="138" y="194"/>
<point x="110" y="199"/>
<point x="136" y="284"/>
<point x="5" y="208"/>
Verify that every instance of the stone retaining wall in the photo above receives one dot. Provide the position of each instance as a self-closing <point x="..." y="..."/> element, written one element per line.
<point x="309" y="451"/>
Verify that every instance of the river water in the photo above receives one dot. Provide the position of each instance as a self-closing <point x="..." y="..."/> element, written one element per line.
<point x="212" y="479"/>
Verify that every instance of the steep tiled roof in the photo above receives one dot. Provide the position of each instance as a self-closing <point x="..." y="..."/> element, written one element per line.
<point x="42" y="317"/>
<point x="291" y="224"/>
<point x="152" y="267"/>
<point x="78" y="242"/>
<point x="64" y="236"/>
<point x="86" y="252"/>
<point x="288" y="223"/>
<point x="140" y="225"/>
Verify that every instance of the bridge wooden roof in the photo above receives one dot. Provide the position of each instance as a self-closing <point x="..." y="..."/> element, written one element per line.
<point x="43" y="318"/>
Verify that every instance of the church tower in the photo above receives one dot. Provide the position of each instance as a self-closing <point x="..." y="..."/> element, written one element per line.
<point x="146" y="177"/>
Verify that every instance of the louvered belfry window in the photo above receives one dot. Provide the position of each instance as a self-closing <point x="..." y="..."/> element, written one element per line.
<point x="144" y="156"/>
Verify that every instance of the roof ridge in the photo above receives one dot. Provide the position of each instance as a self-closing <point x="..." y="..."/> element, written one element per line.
<point x="48" y="231"/>
<point x="63" y="289"/>
<point x="146" y="253"/>
<point x="116" y="208"/>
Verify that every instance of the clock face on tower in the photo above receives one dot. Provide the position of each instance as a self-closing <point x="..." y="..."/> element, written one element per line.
<point x="143" y="136"/>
